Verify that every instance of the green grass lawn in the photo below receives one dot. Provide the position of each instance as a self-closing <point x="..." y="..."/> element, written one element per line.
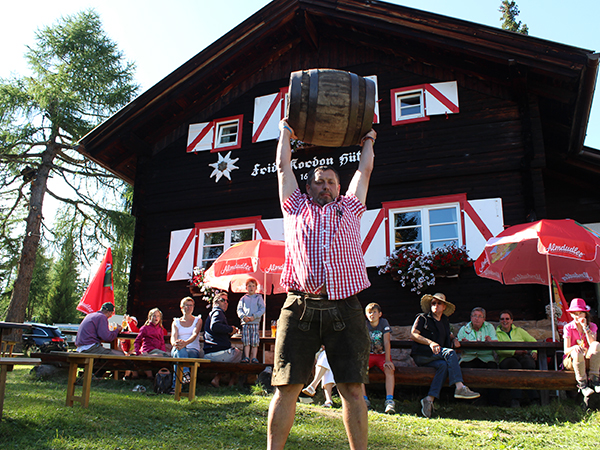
<point x="35" y="417"/>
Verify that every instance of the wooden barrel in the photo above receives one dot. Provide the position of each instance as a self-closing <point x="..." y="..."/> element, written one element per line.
<point x="331" y="108"/>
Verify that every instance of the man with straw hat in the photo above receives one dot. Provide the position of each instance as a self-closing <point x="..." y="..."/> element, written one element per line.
<point x="432" y="347"/>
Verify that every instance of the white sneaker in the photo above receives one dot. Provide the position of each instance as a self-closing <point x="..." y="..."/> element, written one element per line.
<point x="390" y="407"/>
<point x="465" y="393"/>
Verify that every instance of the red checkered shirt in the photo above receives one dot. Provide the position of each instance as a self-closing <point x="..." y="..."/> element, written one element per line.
<point x="323" y="246"/>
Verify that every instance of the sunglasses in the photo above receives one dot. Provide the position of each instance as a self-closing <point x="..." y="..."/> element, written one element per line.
<point x="436" y="303"/>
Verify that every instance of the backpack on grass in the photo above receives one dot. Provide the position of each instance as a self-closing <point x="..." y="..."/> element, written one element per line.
<point x="163" y="381"/>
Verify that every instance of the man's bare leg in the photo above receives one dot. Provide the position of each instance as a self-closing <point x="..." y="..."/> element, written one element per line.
<point x="355" y="416"/>
<point x="281" y="415"/>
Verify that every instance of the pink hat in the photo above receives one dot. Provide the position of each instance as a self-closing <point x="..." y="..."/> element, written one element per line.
<point x="578" y="304"/>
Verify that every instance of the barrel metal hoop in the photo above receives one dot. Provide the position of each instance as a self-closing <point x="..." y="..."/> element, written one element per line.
<point x="369" y="103"/>
<point x="351" y="132"/>
<point x="313" y="103"/>
<point x="295" y="96"/>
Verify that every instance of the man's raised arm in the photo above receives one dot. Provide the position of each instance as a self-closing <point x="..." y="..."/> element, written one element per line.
<point x="360" y="181"/>
<point x="285" y="175"/>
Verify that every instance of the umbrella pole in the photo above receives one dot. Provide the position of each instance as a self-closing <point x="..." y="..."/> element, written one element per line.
<point x="551" y="302"/>
<point x="552" y="315"/>
<point x="265" y="300"/>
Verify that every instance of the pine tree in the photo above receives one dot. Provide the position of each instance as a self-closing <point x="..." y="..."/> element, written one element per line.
<point x="65" y="290"/>
<point x="79" y="78"/>
<point x="510" y="11"/>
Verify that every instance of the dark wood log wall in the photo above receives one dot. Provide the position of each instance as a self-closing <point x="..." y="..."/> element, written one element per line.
<point x="479" y="151"/>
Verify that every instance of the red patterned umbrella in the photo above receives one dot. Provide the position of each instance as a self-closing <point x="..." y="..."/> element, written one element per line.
<point x="533" y="253"/>
<point x="261" y="259"/>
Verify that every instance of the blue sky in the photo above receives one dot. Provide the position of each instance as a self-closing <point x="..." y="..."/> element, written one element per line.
<point x="159" y="36"/>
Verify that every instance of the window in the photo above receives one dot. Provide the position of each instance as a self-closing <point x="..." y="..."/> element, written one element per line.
<point x="226" y="134"/>
<point x="419" y="102"/>
<point x="216" y="241"/>
<point x="216" y="136"/>
<point x="408" y="105"/>
<point x="425" y="228"/>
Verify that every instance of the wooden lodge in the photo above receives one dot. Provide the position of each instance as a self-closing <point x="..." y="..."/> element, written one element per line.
<point x="482" y="125"/>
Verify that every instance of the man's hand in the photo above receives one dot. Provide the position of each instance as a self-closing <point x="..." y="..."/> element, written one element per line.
<point x="371" y="135"/>
<point x="285" y="128"/>
<point x="435" y="348"/>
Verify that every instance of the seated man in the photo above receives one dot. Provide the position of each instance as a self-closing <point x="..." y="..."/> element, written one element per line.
<point x="515" y="359"/>
<point x="478" y="330"/>
<point x="93" y="330"/>
<point x="433" y="348"/>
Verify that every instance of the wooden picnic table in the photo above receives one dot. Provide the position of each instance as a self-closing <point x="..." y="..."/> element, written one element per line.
<point x="6" y="365"/>
<point x="114" y="362"/>
<point x="8" y="328"/>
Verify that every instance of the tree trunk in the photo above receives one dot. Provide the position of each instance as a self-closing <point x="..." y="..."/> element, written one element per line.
<point x="20" y="294"/>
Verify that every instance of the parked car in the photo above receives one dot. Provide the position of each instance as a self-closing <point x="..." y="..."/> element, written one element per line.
<point x="69" y="332"/>
<point x="43" y="339"/>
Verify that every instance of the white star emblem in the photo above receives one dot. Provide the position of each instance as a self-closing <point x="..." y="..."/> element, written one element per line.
<point x="223" y="166"/>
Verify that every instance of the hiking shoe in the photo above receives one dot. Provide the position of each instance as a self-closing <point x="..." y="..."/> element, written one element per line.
<point x="585" y="389"/>
<point x="368" y="402"/>
<point x="465" y="393"/>
<point x="426" y="407"/>
<point x="390" y="407"/>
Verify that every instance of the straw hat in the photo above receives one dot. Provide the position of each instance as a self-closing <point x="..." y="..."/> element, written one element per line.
<point x="578" y="304"/>
<point x="426" y="303"/>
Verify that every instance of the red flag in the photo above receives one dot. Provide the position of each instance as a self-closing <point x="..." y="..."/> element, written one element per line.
<point x="100" y="289"/>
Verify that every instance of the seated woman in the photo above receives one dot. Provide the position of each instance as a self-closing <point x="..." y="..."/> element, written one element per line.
<point x="515" y="359"/>
<point x="433" y="348"/>
<point x="185" y="334"/>
<point x="217" y="331"/>
<point x="581" y="348"/>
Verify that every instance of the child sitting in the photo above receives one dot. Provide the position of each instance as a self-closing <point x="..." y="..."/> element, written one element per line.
<point x="250" y="309"/>
<point x="379" y="332"/>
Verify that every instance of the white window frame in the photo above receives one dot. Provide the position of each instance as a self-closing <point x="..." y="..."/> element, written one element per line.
<point x="426" y="240"/>
<point x="409" y="94"/>
<point x="226" y="241"/>
<point x="220" y="133"/>
<point x="396" y="99"/>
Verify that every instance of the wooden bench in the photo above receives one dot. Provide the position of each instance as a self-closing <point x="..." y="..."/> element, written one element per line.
<point x="486" y="378"/>
<point x="542" y="379"/>
<point x="116" y="363"/>
<point x="6" y="365"/>
<point x="120" y="363"/>
<point x="7" y="348"/>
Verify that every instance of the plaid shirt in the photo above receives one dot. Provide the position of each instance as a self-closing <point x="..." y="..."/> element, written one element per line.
<point x="323" y="246"/>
